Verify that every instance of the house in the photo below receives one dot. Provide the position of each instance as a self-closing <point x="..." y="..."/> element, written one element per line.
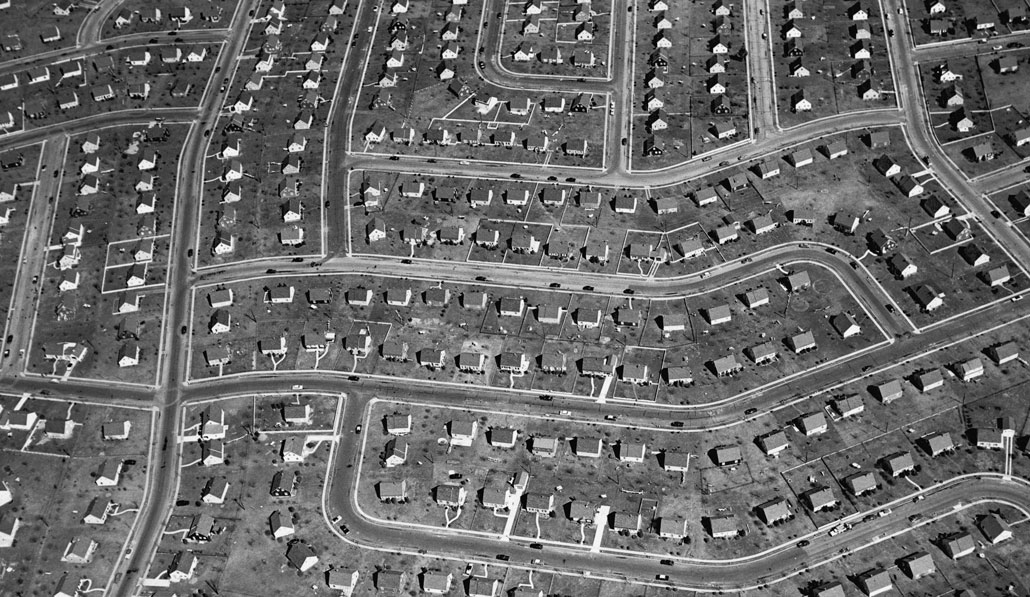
<point x="725" y="234"/>
<point x="848" y="406"/>
<point x="128" y="354"/>
<point x="874" y="582"/>
<point x="539" y="503"/>
<point x="762" y="353"/>
<point x="898" y="463"/>
<point x="857" y="13"/>
<point x="888" y="391"/>
<point x="988" y="438"/>
<point x="389" y="581"/>
<point x="773" y="443"/>
<point x="338" y="579"/>
<point x="867" y="92"/>
<point x="775" y="510"/>
<point x="587" y="447"/>
<point x="1007" y="64"/>
<point x="79" y="550"/>
<point x="725" y="366"/>
<point x="927" y="297"/>
<point x="724" y="526"/>
<point x="845" y="325"/>
<point x="98" y="511"/>
<point x="956" y="229"/>
<point x="928" y="380"/>
<point x="301" y="556"/>
<point x="718" y="314"/>
<point x="835" y="149"/>
<point x="624" y="522"/>
<point x="935" y="207"/>
<point x="996" y="276"/>
<point x="820" y="498"/>
<point x="8" y="529"/>
<point x="761" y="224"/>
<point x="480" y="586"/>
<point x="727" y="455"/>
<point x="994" y="529"/>
<point x="970" y="369"/>
<point x="982" y="152"/>
<point x="435" y="582"/>
<point x="812" y="423"/>
<point x="918" y="564"/>
<point x="292" y="449"/>
<point x="829" y="589"/>
<point x="112" y="431"/>
<point x="450" y="495"/>
<point x="1003" y="353"/>
<point x="109" y="473"/>
<point x="462" y="432"/>
<point x="798" y="102"/>
<point x="802" y="342"/>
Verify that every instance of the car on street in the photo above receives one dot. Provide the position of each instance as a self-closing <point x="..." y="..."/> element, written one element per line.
<point x="803" y="543"/>
<point x="357" y="429"/>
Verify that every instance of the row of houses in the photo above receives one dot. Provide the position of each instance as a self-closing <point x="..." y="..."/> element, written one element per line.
<point x="80" y="550"/>
<point x="292" y="163"/>
<point x="920" y="563"/>
<point x="69" y="79"/>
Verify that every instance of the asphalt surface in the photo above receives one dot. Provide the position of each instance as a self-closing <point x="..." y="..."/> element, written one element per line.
<point x="28" y="279"/>
<point x="163" y="480"/>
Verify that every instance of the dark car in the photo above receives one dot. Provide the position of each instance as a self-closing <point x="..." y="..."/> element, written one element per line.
<point x="667" y="562"/>
<point x="554" y="285"/>
<point x="547" y="397"/>
<point x="677" y="423"/>
<point x="1015" y="44"/>
<point x="536" y="545"/>
<point x="480" y="278"/>
<point x="588" y="288"/>
<point x="344" y="529"/>
<point x="750" y="411"/>
<point x="182" y="503"/>
<point x="406" y="261"/>
<point x="503" y="557"/>
<point x="803" y="543"/>
<point x="628" y="291"/>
